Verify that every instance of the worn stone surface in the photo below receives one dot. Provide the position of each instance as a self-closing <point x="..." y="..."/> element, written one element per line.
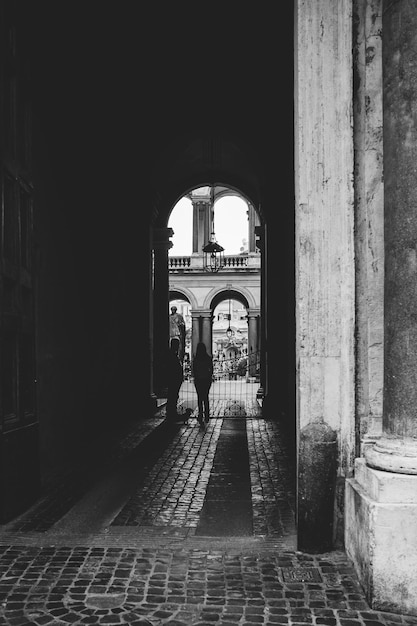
<point x="324" y="237"/>
<point x="381" y="513"/>
<point x="155" y="586"/>
<point x="381" y="510"/>
<point x="317" y="468"/>
<point x="324" y="217"/>
<point x="369" y="215"/>
<point x="400" y="139"/>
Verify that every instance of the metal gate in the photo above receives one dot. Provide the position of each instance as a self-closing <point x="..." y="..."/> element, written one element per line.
<point x="234" y="391"/>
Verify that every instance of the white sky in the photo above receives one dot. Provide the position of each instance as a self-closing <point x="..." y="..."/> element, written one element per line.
<point x="230" y="225"/>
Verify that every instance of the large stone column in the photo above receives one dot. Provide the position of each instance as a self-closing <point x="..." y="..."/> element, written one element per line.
<point x="324" y="264"/>
<point x="207" y="329"/>
<point x="253" y="347"/>
<point x="268" y="403"/>
<point x="369" y="220"/>
<point x="253" y="220"/>
<point x="400" y="234"/>
<point x="161" y="245"/>
<point x="195" y="331"/>
<point x="202" y="218"/>
<point x="152" y="395"/>
<point x="381" y="527"/>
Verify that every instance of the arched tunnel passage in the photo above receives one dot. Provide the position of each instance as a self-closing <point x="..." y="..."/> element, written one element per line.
<point x="209" y="301"/>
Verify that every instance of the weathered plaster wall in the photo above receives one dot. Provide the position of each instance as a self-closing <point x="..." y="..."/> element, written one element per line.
<point x="325" y="226"/>
<point x="369" y="218"/>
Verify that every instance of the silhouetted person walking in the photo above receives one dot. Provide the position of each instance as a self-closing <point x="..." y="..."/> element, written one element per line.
<point x="174" y="378"/>
<point x="202" y="368"/>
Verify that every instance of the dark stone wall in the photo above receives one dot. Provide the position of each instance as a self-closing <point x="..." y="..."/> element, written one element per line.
<point x="91" y="306"/>
<point x="63" y="350"/>
<point x="19" y="475"/>
<point x="112" y="115"/>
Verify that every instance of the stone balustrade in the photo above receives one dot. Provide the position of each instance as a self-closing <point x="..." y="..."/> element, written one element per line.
<point x="235" y="262"/>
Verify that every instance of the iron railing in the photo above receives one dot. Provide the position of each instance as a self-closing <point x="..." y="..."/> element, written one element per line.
<point x="234" y="390"/>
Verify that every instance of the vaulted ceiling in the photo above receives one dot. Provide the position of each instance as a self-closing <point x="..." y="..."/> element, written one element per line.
<point x="153" y="99"/>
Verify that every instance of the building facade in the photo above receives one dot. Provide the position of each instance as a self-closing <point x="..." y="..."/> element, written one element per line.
<point x="210" y="293"/>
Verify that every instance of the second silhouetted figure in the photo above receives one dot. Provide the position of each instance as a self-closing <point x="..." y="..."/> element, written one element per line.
<point x="202" y="369"/>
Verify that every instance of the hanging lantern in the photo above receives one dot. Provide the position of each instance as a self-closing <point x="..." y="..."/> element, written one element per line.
<point x="229" y="331"/>
<point x="213" y="255"/>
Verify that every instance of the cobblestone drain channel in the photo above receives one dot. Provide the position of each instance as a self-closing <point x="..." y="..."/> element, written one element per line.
<point x="235" y="462"/>
<point x="227" y="507"/>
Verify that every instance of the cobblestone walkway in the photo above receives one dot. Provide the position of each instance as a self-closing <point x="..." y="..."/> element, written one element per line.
<point x="92" y="585"/>
<point x="172" y="493"/>
<point x="148" y="566"/>
<point x="272" y="481"/>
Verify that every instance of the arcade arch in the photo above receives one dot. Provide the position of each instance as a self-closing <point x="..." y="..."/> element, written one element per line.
<point x="240" y="279"/>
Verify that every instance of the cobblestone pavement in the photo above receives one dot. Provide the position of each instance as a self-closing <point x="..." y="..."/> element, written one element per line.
<point x="149" y="567"/>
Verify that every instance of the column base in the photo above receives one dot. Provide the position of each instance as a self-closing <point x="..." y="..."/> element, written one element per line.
<point x="392" y="454"/>
<point x="381" y="537"/>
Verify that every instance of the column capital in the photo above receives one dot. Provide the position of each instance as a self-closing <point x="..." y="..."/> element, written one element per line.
<point x="202" y="313"/>
<point x="393" y="454"/>
<point x="201" y="202"/>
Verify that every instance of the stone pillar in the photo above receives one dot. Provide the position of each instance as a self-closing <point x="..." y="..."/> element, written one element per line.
<point x="152" y="395"/>
<point x="324" y="259"/>
<point x="253" y="348"/>
<point x="207" y="329"/>
<point x="202" y="221"/>
<point x="195" y="331"/>
<point x="261" y="244"/>
<point x="161" y="245"/>
<point x="369" y="220"/>
<point x="381" y="500"/>
<point x="253" y="222"/>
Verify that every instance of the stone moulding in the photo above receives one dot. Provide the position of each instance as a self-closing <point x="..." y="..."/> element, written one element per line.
<point x="393" y="455"/>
